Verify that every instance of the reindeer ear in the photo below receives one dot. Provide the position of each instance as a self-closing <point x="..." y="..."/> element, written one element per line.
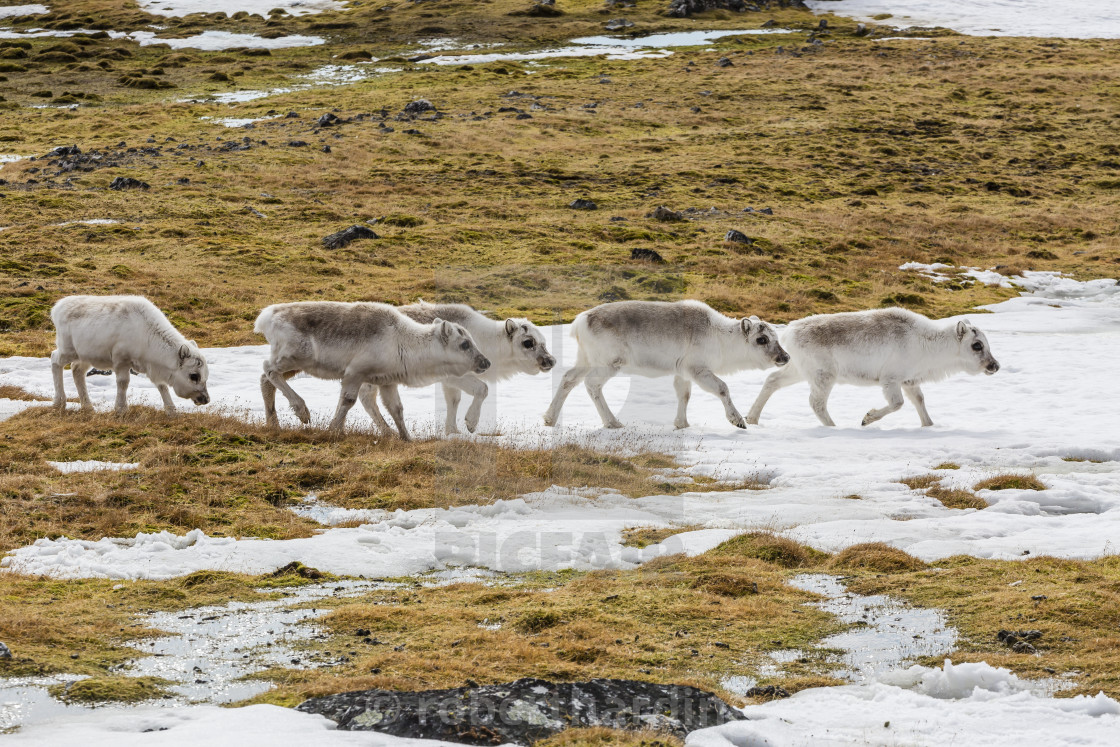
<point x="755" y="320"/>
<point x="745" y="324"/>
<point x="184" y="353"/>
<point x="511" y="327"/>
<point x="445" y="330"/>
<point x="962" y="329"/>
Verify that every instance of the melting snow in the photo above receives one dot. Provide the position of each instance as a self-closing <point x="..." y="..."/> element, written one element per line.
<point x="229" y="7"/>
<point x="13" y="11"/>
<point x="92" y="466"/>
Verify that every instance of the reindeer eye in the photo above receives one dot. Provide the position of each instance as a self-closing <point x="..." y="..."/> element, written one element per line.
<point x="977" y="346"/>
<point x="465" y="346"/>
<point x="763" y="341"/>
<point x="195" y="378"/>
<point x="529" y="344"/>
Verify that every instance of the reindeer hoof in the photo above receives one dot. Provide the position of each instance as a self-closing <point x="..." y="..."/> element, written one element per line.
<point x="549" y="421"/>
<point x="739" y="423"/>
<point x="613" y="424"/>
<point x="681" y="425"/>
<point x="752" y="420"/>
<point x="303" y="414"/>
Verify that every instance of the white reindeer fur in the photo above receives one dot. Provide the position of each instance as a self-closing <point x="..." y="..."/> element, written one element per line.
<point x="502" y="342"/>
<point x="359" y="343"/>
<point x="124" y="334"/>
<point x="895" y="349"/>
<point x="687" y="340"/>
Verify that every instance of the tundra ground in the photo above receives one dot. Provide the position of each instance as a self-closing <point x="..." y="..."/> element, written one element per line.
<point x="984" y="152"/>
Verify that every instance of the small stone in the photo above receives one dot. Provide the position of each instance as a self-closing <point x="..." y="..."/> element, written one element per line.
<point x="291" y="115"/>
<point x="823" y="25"/>
<point x="65" y="150"/>
<point x="1022" y="647"/>
<point x="419" y="106"/>
<point x="770" y="24"/>
<point x="297" y="143"/>
<point x="583" y="204"/>
<point x="344" y="237"/>
<point x="616" y="24"/>
<point x="361" y="632"/>
<point x="648" y="255"/>
<point x="767" y="211"/>
<point x="768" y="691"/>
<point x="326" y="149"/>
<point x="127" y="182"/>
<point x="665" y="215"/>
<point x="724" y="62"/>
<point x="861" y="29"/>
<point x="5" y="652"/>
<point x="524" y="115"/>
<point x="738" y="237"/>
<point x="328" y="120"/>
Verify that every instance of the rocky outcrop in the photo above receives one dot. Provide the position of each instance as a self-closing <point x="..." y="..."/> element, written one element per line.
<point x="344" y="237"/>
<point x="525" y="711"/>
<point x="686" y="8"/>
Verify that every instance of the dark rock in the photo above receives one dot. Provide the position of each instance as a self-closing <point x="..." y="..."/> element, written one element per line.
<point x="770" y="24"/>
<point x="766" y="211"/>
<point x="724" y="62"/>
<point x="419" y="106"/>
<point x="1022" y="647"/>
<point x="583" y="204"/>
<point x="127" y="182"/>
<point x="412" y="132"/>
<point x="768" y="691"/>
<point x="647" y="255"/>
<point x="5" y="652"/>
<point x="524" y="115"/>
<point x="686" y="8"/>
<point x="328" y="120"/>
<point x="64" y="150"/>
<point x="1039" y="597"/>
<point x="861" y="29"/>
<point x="525" y="711"/>
<point x="614" y="293"/>
<point x="541" y="9"/>
<point x="665" y="215"/>
<point x="297" y="143"/>
<point x="738" y="237"/>
<point x="291" y="115"/>
<point x="617" y="219"/>
<point x="353" y="233"/>
<point x="616" y="24"/>
<point x="326" y="149"/>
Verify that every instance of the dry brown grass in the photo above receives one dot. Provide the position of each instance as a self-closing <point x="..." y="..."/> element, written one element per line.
<point x="646" y="536"/>
<point x="1076" y="605"/>
<point x="1010" y="481"/>
<point x="675" y="620"/>
<point x="492" y="195"/>
<point x="875" y="556"/>
<point x="227" y="477"/>
<point x="770" y="548"/>
<point x="82" y="626"/>
<point x="949" y="497"/>
<point x="8" y="391"/>
<point x="601" y="737"/>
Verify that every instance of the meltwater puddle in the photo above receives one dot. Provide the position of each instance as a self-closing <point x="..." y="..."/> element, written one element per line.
<point x="887" y="634"/>
<point x="211" y="650"/>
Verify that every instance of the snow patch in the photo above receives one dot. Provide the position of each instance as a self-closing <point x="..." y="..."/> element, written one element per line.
<point x="14" y="11"/>
<point x="178" y="8"/>
<point x="1086" y="19"/>
<point x="93" y="465"/>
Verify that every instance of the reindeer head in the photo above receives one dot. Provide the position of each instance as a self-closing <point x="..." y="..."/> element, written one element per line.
<point x="460" y="346"/>
<point x="762" y="338"/>
<point x="529" y="350"/>
<point x="189" y="377"/>
<point x="974" y="351"/>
